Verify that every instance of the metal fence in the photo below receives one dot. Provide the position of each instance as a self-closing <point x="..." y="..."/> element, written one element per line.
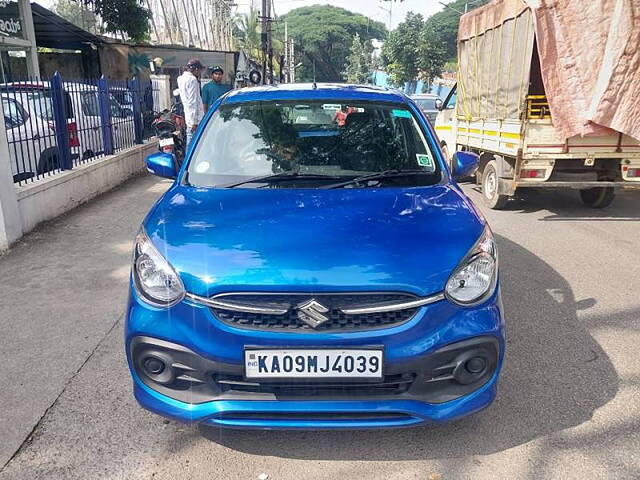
<point x="57" y="124"/>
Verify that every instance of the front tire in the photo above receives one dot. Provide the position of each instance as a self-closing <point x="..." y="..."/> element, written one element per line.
<point x="599" y="197"/>
<point x="490" y="184"/>
<point x="48" y="161"/>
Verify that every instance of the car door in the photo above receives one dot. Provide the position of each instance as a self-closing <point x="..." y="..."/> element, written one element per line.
<point x="89" y="122"/>
<point x="23" y="151"/>
<point x="122" y="124"/>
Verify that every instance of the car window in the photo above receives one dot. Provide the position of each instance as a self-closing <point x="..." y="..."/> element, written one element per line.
<point x="91" y="107"/>
<point x="426" y="103"/>
<point x="40" y="104"/>
<point x="89" y="104"/>
<point x="263" y="138"/>
<point x="14" y="115"/>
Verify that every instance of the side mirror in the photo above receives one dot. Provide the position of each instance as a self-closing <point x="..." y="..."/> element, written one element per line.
<point x="162" y="165"/>
<point x="464" y="164"/>
<point x="439" y="104"/>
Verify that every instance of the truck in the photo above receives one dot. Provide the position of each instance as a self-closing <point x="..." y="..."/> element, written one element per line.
<point x="546" y="95"/>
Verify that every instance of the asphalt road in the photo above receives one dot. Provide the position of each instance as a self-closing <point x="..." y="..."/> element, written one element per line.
<point x="568" y="405"/>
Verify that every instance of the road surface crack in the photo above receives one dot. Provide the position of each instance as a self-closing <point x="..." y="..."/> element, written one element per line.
<point x="28" y="439"/>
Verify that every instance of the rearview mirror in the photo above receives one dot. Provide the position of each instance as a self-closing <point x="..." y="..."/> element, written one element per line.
<point x="464" y="164"/>
<point x="162" y="165"/>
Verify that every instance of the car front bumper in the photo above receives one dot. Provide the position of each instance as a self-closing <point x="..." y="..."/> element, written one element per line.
<point x="198" y="351"/>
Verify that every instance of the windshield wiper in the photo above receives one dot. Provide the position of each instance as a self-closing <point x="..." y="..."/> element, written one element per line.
<point x="378" y="176"/>
<point x="283" y="176"/>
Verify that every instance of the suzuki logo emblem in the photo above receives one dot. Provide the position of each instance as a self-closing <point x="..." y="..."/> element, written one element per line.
<point x="311" y="313"/>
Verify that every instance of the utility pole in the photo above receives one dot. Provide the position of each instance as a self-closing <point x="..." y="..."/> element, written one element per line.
<point x="263" y="39"/>
<point x="466" y="7"/>
<point x="389" y="11"/>
<point x="269" y="43"/>
<point x="292" y="68"/>
<point x="285" y="63"/>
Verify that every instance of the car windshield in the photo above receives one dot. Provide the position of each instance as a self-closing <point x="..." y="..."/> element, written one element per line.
<point x="426" y="103"/>
<point x="312" y="145"/>
<point x="40" y="104"/>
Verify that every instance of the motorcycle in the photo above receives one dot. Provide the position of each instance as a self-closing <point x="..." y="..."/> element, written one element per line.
<point x="170" y="129"/>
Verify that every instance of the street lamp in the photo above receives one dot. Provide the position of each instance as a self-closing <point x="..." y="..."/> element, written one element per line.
<point x="466" y="6"/>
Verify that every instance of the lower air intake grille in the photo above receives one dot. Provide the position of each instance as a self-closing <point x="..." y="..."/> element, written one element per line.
<point x="390" y="385"/>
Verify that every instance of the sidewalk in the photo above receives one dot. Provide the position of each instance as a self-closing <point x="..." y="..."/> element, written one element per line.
<point x="62" y="289"/>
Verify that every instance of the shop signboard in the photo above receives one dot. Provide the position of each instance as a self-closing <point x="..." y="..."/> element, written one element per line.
<point x="10" y="21"/>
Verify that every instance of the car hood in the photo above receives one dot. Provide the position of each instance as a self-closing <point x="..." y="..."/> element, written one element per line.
<point x="386" y="239"/>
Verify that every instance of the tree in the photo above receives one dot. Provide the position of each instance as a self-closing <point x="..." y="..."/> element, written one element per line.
<point x="432" y="53"/>
<point x="122" y="16"/>
<point x="400" y="52"/>
<point x="359" y="62"/>
<point x="77" y="13"/>
<point x="446" y="22"/>
<point x="246" y="33"/>
<point x="419" y="49"/>
<point x="323" y="35"/>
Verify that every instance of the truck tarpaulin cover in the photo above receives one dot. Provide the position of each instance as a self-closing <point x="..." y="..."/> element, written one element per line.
<point x="589" y="54"/>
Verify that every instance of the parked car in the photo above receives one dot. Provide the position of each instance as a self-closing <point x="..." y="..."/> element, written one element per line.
<point x="311" y="275"/>
<point x="29" y="119"/>
<point x="430" y="104"/>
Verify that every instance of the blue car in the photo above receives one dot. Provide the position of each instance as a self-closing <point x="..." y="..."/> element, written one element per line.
<point x="314" y="265"/>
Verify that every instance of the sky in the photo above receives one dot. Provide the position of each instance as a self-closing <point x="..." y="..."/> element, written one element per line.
<point x="375" y="9"/>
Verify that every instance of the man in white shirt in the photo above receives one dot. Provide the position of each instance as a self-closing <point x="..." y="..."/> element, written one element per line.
<point x="189" y="88"/>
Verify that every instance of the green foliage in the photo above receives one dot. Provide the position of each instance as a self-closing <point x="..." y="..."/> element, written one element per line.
<point x="123" y="16"/>
<point x="246" y="33"/>
<point x="138" y="63"/>
<point x="77" y="13"/>
<point x="446" y="23"/>
<point x="359" y="62"/>
<point x="420" y="49"/>
<point x="451" y="66"/>
<point x="400" y="53"/>
<point x="324" y="34"/>
<point x="432" y="52"/>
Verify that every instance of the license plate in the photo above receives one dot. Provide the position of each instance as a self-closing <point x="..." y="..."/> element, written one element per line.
<point x="165" y="142"/>
<point x="313" y="363"/>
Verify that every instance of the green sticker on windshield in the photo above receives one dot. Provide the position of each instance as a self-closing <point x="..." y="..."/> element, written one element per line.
<point x="425" y="161"/>
<point x="400" y="113"/>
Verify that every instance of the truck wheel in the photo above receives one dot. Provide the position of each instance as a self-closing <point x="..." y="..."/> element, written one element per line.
<point x="490" y="181"/>
<point x="599" y="197"/>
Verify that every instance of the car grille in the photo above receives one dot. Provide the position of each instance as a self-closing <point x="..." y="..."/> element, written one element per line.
<point x="338" y="320"/>
<point x="390" y="385"/>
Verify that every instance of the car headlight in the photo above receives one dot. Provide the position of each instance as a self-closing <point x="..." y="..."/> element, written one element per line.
<point x="156" y="281"/>
<point x="476" y="276"/>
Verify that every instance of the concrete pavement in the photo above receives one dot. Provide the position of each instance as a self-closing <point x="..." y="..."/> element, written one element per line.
<point x="568" y="405"/>
<point x="63" y="288"/>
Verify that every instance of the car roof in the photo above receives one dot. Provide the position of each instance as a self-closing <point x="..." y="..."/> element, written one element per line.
<point x="322" y="91"/>
<point x="44" y="85"/>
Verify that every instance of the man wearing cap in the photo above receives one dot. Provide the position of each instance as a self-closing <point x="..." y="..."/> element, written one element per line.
<point x="215" y="88"/>
<point x="189" y="88"/>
